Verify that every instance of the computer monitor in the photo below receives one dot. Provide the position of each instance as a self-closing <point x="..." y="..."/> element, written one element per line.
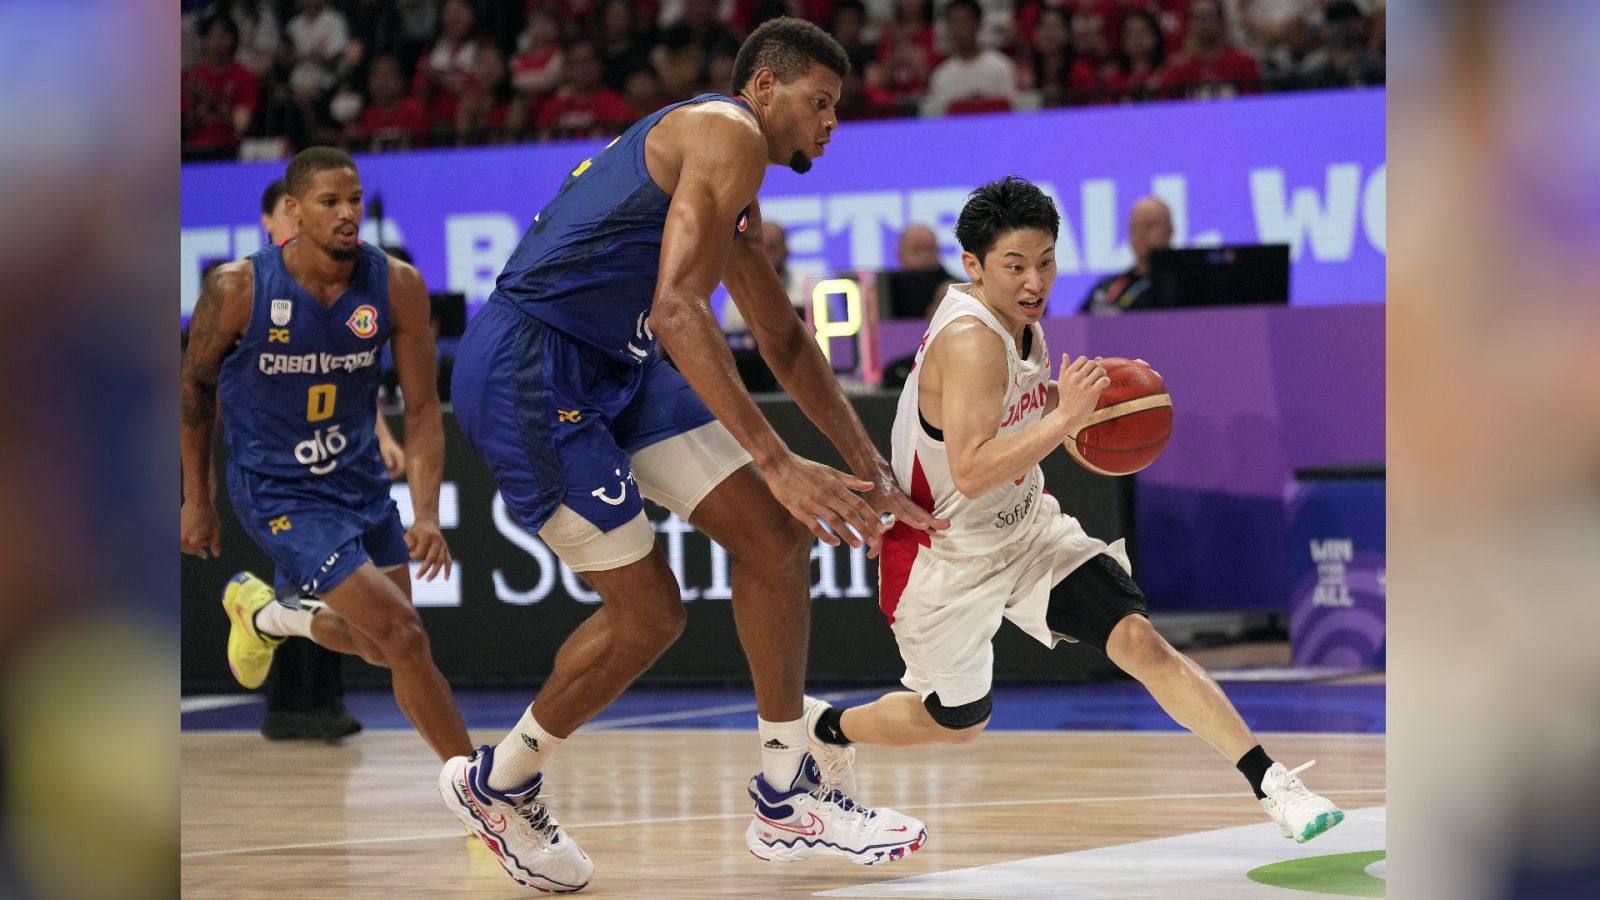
<point x="1218" y="276"/>
<point x="906" y="293"/>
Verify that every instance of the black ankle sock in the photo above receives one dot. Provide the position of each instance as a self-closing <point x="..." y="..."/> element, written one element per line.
<point x="828" y="727"/>
<point x="1254" y="765"/>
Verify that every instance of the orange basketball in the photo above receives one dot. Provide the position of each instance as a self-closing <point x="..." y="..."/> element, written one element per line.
<point x="1131" y="424"/>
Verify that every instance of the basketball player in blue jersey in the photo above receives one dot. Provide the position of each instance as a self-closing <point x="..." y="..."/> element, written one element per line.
<point x="559" y="386"/>
<point x="289" y="341"/>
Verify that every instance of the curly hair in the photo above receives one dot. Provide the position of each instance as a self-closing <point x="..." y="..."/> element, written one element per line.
<point x="789" y="47"/>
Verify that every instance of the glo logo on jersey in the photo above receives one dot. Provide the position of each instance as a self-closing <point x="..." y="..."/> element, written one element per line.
<point x="364" y="321"/>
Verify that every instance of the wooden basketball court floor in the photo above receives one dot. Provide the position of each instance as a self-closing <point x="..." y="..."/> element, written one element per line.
<point x="663" y="811"/>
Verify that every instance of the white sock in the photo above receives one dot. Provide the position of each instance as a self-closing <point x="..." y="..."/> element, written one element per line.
<point x="279" y="620"/>
<point x="522" y="754"/>
<point x="783" y="746"/>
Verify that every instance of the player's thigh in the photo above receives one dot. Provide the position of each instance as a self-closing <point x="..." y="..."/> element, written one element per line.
<point x="625" y="566"/>
<point x="385" y="544"/>
<point x="1091" y="602"/>
<point x="310" y="541"/>
<point x="373" y="604"/>
<point x="944" y="622"/>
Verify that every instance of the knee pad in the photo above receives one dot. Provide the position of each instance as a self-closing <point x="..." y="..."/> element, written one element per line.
<point x="959" y="718"/>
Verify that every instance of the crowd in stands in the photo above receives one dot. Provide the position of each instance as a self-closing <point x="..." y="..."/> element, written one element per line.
<point x="266" y="77"/>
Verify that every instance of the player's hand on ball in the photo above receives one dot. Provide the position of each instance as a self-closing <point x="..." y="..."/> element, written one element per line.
<point x="427" y="546"/>
<point x="811" y="491"/>
<point x="1079" y="386"/>
<point x="199" y="530"/>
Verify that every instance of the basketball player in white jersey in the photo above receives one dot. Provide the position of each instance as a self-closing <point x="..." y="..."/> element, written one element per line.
<point x="978" y="413"/>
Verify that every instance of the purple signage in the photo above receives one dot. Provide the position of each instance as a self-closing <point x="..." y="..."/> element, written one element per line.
<point x="1304" y="169"/>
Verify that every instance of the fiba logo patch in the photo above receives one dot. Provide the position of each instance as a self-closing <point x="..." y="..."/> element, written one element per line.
<point x="281" y="310"/>
<point x="364" y="321"/>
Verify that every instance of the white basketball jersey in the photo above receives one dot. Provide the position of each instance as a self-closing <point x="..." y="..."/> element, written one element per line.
<point x="977" y="526"/>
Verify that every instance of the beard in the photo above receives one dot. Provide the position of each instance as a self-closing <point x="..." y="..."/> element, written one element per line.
<point x="342" y="254"/>
<point x="800" y="162"/>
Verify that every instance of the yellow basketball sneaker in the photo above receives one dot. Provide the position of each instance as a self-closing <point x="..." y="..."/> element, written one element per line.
<point x="249" y="651"/>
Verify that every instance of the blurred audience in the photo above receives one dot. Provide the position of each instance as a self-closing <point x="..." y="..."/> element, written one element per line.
<point x="971" y="74"/>
<point x="918" y="248"/>
<point x="392" y="120"/>
<point x="582" y="106"/>
<point x="1210" y="66"/>
<point x="315" y="82"/>
<point x="1138" y="71"/>
<point x="219" y="95"/>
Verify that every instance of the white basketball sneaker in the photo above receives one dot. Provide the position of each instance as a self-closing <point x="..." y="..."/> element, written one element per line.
<point x="515" y="826"/>
<point x="810" y="818"/>
<point x="1301" y="814"/>
<point x="836" y="762"/>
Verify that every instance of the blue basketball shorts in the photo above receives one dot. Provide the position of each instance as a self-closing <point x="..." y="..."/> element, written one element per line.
<point x="577" y="439"/>
<point x="317" y="536"/>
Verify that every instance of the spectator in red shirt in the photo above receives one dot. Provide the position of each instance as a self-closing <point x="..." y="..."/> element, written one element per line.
<point x="536" y="69"/>
<point x="484" y="114"/>
<point x="446" y="67"/>
<point x="906" y="55"/>
<point x="1052" y="68"/>
<point x="1089" y="41"/>
<point x="219" y="96"/>
<point x="392" y="121"/>
<point x="1139" y="70"/>
<point x="582" y="107"/>
<point x="1211" y="68"/>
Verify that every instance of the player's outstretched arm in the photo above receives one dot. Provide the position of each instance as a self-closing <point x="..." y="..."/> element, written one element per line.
<point x="220" y="317"/>
<point x="795" y="359"/>
<point x="414" y="361"/>
<point x="723" y="160"/>
<point x="971" y="361"/>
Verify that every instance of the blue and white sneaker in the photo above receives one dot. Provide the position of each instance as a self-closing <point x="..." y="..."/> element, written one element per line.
<point x="811" y="818"/>
<point x="515" y="826"/>
<point x="1300" y="814"/>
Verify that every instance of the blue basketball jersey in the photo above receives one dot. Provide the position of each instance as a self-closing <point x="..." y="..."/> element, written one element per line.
<point x="299" y="392"/>
<point x="587" y="265"/>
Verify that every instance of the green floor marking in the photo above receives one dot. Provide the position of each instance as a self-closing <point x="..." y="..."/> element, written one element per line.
<point x="1338" y="873"/>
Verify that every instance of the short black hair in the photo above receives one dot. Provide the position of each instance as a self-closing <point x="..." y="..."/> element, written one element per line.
<point x="970" y="6"/>
<point x="1001" y="206"/>
<point x="312" y="160"/>
<point x="271" y="196"/>
<point x="789" y="47"/>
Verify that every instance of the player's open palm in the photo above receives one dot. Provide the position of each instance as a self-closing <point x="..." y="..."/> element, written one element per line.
<point x="1080" y="384"/>
<point x="427" y="546"/>
<point x="199" y="530"/>
<point x="811" y="491"/>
